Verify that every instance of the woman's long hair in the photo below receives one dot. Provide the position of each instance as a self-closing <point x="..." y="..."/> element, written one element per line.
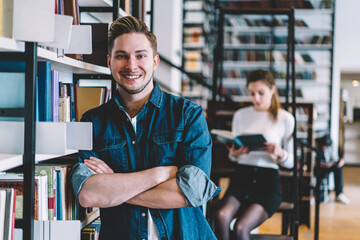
<point x="269" y="80"/>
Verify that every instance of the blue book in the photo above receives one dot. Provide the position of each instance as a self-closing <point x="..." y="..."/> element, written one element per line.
<point x="44" y="87"/>
<point x="59" y="215"/>
<point x="253" y="141"/>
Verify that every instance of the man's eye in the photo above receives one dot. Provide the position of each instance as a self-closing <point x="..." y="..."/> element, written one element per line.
<point x="120" y="57"/>
<point x="141" y="56"/>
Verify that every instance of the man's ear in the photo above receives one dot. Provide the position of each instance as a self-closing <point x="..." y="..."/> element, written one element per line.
<point x="108" y="60"/>
<point x="156" y="61"/>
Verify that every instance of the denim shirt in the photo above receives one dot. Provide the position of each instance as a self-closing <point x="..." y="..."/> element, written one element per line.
<point x="170" y="131"/>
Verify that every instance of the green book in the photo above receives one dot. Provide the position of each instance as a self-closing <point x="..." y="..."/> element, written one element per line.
<point x="49" y="171"/>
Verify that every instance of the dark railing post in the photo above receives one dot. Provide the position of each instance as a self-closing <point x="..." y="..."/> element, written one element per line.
<point x="317" y="195"/>
<point x="135" y="8"/>
<point x="115" y="9"/>
<point x="295" y="226"/>
<point x="29" y="141"/>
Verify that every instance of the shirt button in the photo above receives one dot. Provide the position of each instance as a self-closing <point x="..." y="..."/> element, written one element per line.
<point x="143" y="214"/>
<point x="254" y="181"/>
<point x="133" y="142"/>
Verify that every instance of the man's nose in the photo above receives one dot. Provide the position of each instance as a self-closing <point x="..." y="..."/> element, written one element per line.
<point x="131" y="64"/>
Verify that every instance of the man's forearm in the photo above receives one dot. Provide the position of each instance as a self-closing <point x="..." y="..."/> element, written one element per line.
<point x="166" y="195"/>
<point x="108" y="190"/>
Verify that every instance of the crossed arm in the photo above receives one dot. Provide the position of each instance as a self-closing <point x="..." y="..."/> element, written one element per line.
<point x="153" y="188"/>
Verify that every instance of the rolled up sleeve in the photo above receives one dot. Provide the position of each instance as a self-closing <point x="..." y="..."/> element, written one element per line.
<point x="196" y="185"/>
<point x="79" y="174"/>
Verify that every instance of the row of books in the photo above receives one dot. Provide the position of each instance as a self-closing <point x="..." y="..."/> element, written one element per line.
<point x="300" y="58"/>
<point x="55" y="101"/>
<point x="242" y="74"/>
<point x="242" y="91"/>
<point x="54" y="199"/>
<point x="266" y="38"/>
<point x="264" y="55"/>
<point x="297" y="4"/>
<point x="239" y="55"/>
<point x="240" y="21"/>
<point x="84" y="98"/>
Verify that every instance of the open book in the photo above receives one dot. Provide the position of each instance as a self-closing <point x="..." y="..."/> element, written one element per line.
<point x="252" y="141"/>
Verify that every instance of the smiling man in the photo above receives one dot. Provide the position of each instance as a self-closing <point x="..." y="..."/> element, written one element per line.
<point x="149" y="167"/>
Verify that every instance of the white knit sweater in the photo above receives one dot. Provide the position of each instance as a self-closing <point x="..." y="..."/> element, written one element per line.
<point x="250" y="121"/>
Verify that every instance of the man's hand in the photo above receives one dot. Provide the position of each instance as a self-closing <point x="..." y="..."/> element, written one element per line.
<point x="98" y="166"/>
<point x="128" y="185"/>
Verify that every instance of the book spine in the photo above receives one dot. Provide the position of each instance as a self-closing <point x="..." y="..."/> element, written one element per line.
<point x="55" y="95"/>
<point x="72" y="103"/>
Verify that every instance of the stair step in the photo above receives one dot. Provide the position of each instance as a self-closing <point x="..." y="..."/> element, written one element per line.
<point x="286" y="206"/>
<point x="270" y="237"/>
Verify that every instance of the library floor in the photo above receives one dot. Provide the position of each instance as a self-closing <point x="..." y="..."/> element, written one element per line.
<point x="337" y="221"/>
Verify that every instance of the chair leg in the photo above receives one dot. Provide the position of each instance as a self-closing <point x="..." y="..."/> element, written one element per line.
<point x="285" y="223"/>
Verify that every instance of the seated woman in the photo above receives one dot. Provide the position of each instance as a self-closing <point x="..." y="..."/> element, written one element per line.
<point x="254" y="194"/>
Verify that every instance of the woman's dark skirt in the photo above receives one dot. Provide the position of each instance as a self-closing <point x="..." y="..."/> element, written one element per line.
<point x="257" y="185"/>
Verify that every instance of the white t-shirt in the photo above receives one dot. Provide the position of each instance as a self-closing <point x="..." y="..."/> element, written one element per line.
<point x="250" y="121"/>
<point x="152" y="231"/>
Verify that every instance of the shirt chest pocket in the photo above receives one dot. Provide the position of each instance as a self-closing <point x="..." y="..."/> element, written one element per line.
<point x="113" y="152"/>
<point x="165" y="148"/>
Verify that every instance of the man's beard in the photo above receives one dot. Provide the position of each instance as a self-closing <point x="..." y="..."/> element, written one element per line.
<point x="135" y="91"/>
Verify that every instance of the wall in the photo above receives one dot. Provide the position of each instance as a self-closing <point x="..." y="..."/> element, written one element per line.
<point x="168" y="29"/>
<point x="346" y="52"/>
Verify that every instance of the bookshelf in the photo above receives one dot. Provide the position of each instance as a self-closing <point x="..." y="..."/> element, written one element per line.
<point x="30" y="53"/>
<point x="260" y="41"/>
<point x="198" y="44"/>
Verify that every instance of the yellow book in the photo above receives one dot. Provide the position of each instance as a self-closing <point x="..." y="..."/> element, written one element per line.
<point x="87" y="98"/>
<point x="6" y="18"/>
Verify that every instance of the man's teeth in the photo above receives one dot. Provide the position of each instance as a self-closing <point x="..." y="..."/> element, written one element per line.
<point x="133" y="77"/>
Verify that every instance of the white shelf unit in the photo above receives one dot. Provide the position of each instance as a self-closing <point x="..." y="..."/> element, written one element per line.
<point x="98" y="17"/>
<point x="9" y="161"/>
<point x="90" y="217"/>
<point x="65" y="64"/>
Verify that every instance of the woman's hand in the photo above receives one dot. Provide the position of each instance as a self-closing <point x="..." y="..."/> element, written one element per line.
<point x="97" y="165"/>
<point x="236" y="152"/>
<point x="273" y="148"/>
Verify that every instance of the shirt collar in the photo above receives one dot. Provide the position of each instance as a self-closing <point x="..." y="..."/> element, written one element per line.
<point x="155" y="97"/>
